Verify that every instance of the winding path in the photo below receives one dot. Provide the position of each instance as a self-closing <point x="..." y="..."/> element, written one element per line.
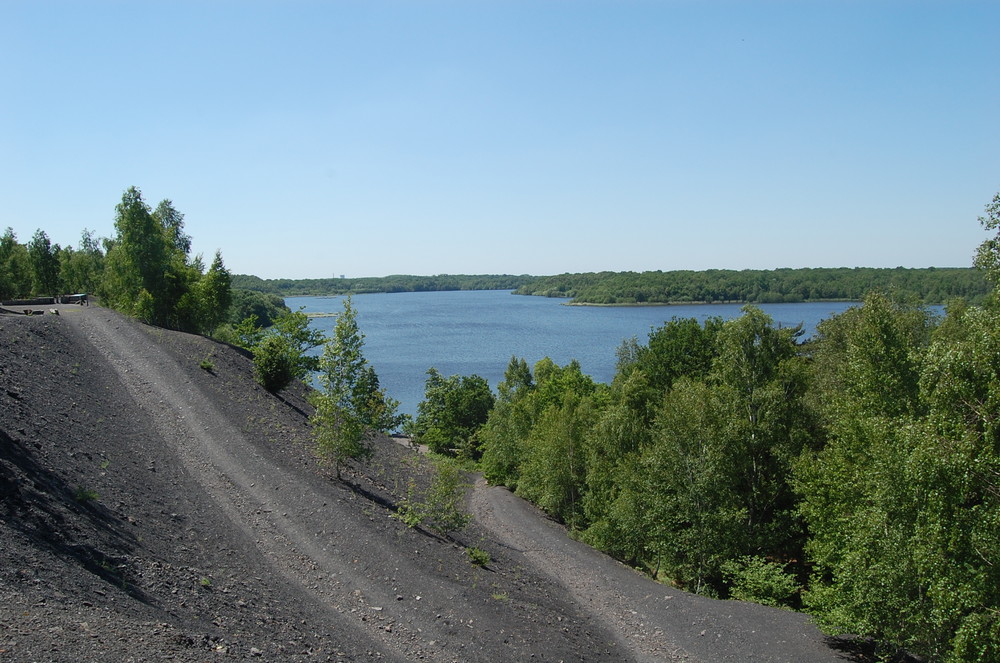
<point x="654" y="621"/>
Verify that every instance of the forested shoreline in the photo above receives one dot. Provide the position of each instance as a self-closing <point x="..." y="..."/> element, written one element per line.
<point x="379" y="284"/>
<point x="931" y="285"/>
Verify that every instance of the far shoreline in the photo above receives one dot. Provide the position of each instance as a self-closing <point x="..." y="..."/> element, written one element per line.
<point x="701" y="303"/>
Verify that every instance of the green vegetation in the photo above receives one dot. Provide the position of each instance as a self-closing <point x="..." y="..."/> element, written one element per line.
<point x="84" y="495"/>
<point x="281" y="351"/>
<point x="478" y="557"/>
<point x="350" y="401"/>
<point x="397" y="283"/>
<point x="439" y="508"/>
<point x="262" y="309"/>
<point x="452" y="411"/>
<point x="272" y="363"/>
<point x="854" y="475"/>
<point x="42" y="269"/>
<point x="145" y="270"/>
<point x="758" y="580"/>
<point x="149" y="273"/>
<point x="930" y="285"/>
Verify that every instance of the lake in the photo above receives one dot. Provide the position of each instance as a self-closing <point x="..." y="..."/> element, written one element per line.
<point x="477" y="332"/>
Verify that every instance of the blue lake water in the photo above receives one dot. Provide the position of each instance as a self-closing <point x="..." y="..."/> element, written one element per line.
<point x="477" y="332"/>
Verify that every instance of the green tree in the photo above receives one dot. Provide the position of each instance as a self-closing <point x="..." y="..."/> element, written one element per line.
<point x="440" y="508"/>
<point x="301" y="339"/>
<point x="708" y="480"/>
<point x="172" y="222"/>
<point x="621" y="431"/>
<point x="680" y="499"/>
<point x="15" y="267"/>
<point x="212" y="295"/>
<point x="349" y="401"/>
<point x="80" y="270"/>
<point x="138" y="261"/>
<point x="759" y="381"/>
<point x="44" y="262"/>
<point x="452" y="412"/>
<point x="263" y="309"/>
<point x="503" y="435"/>
<point x="523" y="398"/>
<point x="681" y="347"/>
<point x="867" y="359"/>
<point x="284" y="346"/>
<point x="988" y="254"/>
<point x="903" y="503"/>
<point x="148" y="273"/>
<point x="553" y="470"/>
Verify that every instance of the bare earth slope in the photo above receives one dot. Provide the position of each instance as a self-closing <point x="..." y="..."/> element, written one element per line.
<point x="154" y="510"/>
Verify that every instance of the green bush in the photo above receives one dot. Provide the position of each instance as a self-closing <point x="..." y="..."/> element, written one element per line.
<point x="755" y="579"/>
<point x="478" y="556"/>
<point x="272" y="363"/>
<point x="84" y="495"/>
<point x="440" y="509"/>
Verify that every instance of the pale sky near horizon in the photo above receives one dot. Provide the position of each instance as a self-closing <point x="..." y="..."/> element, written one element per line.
<point x="309" y="139"/>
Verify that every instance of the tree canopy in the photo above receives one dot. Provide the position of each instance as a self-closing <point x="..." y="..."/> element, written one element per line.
<point x="930" y="285"/>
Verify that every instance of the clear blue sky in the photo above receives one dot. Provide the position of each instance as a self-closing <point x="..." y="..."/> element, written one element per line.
<point x="310" y="139"/>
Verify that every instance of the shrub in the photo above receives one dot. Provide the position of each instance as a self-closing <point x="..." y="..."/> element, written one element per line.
<point x="755" y="579"/>
<point x="272" y="363"/>
<point x="84" y="495"/>
<point x="440" y="508"/>
<point x="478" y="556"/>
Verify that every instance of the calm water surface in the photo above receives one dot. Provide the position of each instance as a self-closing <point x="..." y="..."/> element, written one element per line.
<point x="477" y="332"/>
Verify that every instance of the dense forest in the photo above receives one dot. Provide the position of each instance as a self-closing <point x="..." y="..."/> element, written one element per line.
<point x="397" y="283"/>
<point x="855" y="475"/>
<point x="930" y="285"/>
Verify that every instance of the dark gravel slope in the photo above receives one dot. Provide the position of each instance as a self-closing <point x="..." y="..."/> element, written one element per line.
<point x="155" y="510"/>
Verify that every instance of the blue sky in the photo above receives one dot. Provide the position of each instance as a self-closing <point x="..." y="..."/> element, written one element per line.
<point x="311" y="139"/>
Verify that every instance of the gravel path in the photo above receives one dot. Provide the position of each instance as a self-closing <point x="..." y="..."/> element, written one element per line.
<point x="349" y="562"/>
<point x="260" y="497"/>
<point x="655" y="622"/>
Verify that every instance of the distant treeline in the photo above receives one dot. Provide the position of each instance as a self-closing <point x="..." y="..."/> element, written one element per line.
<point x="930" y="285"/>
<point x="396" y="283"/>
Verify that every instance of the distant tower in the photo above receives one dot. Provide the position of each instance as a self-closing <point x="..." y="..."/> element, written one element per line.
<point x="341" y="276"/>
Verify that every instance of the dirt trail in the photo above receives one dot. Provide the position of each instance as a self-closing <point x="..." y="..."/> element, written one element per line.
<point x="407" y="595"/>
<point x="657" y="622"/>
<point x="257" y="495"/>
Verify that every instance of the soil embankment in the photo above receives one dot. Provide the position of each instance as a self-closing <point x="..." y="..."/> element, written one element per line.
<point x="153" y="509"/>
